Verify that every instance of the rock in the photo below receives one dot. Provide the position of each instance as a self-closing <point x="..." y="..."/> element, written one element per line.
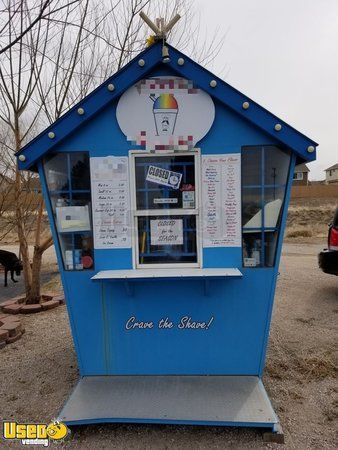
<point x="13" y="328"/>
<point x="9" y="302"/>
<point x="60" y="299"/>
<point x="2" y="344"/>
<point x="13" y="301"/>
<point x="4" y="334"/>
<point x="19" y="298"/>
<point x="3" y="316"/>
<point x="12" y="309"/>
<point x="30" y="309"/>
<point x="49" y="295"/>
<point x="50" y="304"/>
<point x="11" y="318"/>
<point x="14" y="338"/>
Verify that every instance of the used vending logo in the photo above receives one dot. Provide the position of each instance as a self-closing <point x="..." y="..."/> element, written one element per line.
<point x="34" y="433"/>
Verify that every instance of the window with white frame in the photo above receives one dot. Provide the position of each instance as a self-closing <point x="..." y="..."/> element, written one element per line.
<point x="298" y="176"/>
<point x="165" y="209"/>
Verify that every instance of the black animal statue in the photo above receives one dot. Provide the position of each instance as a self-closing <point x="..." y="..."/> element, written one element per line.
<point x="11" y="264"/>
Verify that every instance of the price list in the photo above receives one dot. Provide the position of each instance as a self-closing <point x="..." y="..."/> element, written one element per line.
<point x="221" y="197"/>
<point x="110" y="202"/>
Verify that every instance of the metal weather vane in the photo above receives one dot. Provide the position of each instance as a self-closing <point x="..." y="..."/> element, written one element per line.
<point x="161" y="31"/>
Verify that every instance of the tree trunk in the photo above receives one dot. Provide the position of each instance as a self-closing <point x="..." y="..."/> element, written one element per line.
<point x="24" y="250"/>
<point x="31" y="272"/>
<point x="34" y="295"/>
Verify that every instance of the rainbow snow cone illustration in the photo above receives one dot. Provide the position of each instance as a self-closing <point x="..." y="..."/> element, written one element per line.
<point x="165" y="111"/>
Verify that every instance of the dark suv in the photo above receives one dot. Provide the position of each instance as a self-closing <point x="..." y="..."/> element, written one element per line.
<point x="328" y="258"/>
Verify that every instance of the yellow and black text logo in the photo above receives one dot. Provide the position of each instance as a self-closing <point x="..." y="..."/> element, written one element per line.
<point x="34" y="433"/>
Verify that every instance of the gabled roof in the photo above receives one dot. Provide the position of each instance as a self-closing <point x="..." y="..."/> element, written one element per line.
<point x="131" y="73"/>
<point x="335" y="166"/>
<point x="302" y="168"/>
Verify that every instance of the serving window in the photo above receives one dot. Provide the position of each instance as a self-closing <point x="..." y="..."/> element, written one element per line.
<point x="165" y="209"/>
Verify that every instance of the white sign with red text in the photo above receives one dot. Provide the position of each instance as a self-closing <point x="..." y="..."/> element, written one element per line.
<point x="221" y="197"/>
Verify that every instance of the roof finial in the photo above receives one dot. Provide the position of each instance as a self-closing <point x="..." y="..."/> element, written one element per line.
<point x="160" y="29"/>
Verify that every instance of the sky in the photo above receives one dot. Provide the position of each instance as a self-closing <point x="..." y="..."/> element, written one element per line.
<point x="284" y="55"/>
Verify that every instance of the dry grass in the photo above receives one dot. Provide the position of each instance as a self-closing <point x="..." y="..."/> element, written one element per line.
<point x="299" y="232"/>
<point x="304" y="368"/>
<point x="306" y="365"/>
<point x="331" y="412"/>
<point x="309" y="321"/>
<point x="318" y="366"/>
<point x="309" y="218"/>
<point x="53" y="285"/>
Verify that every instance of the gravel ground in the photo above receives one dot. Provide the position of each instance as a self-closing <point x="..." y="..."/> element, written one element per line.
<point x="38" y="372"/>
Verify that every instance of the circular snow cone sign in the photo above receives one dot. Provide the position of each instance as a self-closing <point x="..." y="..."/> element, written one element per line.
<point x="165" y="113"/>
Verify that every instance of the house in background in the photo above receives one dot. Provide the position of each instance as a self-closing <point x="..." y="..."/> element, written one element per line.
<point x="331" y="174"/>
<point x="300" y="176"/>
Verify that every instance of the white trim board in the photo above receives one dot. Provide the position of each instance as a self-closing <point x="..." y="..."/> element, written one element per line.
<point x="167" y="273"/>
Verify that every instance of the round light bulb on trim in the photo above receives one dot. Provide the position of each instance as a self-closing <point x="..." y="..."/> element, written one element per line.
<point x="51" y="135"/>
<point x="110" y="87"/>
<point x="213" y="83"/>
<point x="310" y="149"/>
<point x="80" y="111"/>
<point x="278" y="127"/>
<point x="141" y="62"/>
<point x="180" y="61"/>
<point x="246" y="105"/>
<point x="22" y="158"/>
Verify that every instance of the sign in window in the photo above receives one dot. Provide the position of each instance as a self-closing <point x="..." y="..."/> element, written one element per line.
<point x="166" y="209"/>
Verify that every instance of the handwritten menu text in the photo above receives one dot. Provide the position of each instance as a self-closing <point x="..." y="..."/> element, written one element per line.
<point x="221" y="196"/>
<point x="111" y="203"/>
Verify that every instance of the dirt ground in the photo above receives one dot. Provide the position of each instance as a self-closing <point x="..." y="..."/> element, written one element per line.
<point x="38" y="372"/>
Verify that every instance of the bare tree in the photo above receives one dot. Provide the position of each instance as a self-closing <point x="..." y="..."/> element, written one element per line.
<point x="7" y="222"/>
<point x="20" y="66"/>
<point x="38" y="11"/>
<point x="91" y="45"/>
<point x="54" y="54"/>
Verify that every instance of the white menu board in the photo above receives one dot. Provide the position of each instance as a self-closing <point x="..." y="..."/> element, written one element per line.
<point x="110" y="202"/>
<point x="221" y="197"/>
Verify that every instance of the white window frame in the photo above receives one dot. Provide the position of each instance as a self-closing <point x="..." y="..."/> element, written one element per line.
<point x="133" y="154"/>
<point x="298" y="176"/>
